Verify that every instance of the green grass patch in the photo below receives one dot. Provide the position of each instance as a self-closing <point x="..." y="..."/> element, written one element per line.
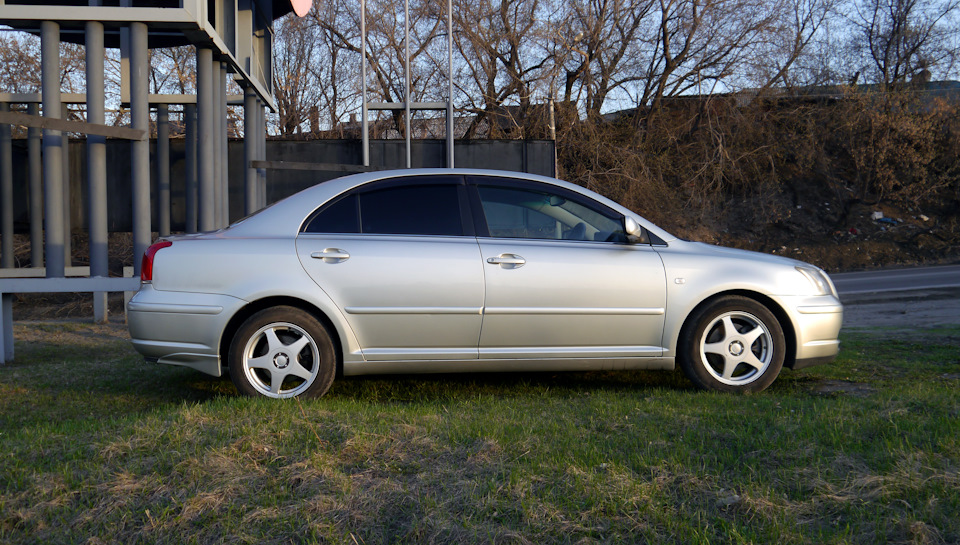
<point x="99" y="447"/>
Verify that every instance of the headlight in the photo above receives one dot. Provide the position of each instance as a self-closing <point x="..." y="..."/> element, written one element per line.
<point x="818" y="279"/>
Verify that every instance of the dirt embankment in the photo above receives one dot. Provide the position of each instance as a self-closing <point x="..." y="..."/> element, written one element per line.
<point x="862" y="237"/>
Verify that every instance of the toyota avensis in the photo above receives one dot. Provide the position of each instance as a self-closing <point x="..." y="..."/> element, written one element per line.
<point x="421" y="271"/>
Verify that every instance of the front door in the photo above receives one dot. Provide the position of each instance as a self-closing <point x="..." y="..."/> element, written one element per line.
<point x="561" y="279"/>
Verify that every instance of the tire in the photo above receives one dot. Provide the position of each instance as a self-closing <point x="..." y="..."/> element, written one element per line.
<point x="733" y="344"/>
<point x="282" y="352"/>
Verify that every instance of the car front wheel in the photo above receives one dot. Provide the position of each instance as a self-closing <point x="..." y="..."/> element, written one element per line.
<point x="282" y="352"/>
<point x="732" y="344"/>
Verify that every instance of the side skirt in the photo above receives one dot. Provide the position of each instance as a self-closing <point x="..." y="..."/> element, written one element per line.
<point x="501" y="366"/>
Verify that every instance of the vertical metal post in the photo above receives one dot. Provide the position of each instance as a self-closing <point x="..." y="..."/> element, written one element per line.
<point x="224" y="150"/>
<point x="67" y="205"/>
<point x="215" y="148"/>
<point x="205" y="139"/>
<point x="553" y="131"/>
<point x="364" y="128"/>
<point x="249" y="149"/>
<point x="6" y="324"/>
<point x="190" y="167"/>
<point x="97" y="165"/>
<point x="6" y="192"/>
<point x="450" y="83"/>
<point x="406" y="76"/>
<point x="163" y="170"/>
<point x="52" y="151"/>
<point x="262" y="151"/>
<point x="140" y="149"/>
<point x="35" y="176"/>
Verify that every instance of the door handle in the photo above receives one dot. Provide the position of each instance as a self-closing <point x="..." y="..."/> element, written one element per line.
<point x="507" y="261"/>
<point x="331" y="255"/>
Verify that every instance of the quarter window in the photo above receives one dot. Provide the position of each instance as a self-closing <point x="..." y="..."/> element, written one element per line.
<point x="341" y="216"/>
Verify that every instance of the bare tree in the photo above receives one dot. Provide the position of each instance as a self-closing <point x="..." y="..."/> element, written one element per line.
<point x="295" y="89"/>
<point x="19" y="62"/>
<point x="902" y="39"/>
<point x="602" y="47"/>
<point x="701" y="43"/>
<point x="385" y="47"/>
<point x="796" y="25"/>
<point x="501" y="47"/>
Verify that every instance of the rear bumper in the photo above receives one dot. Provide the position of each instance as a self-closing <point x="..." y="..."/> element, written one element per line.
<point x="179" y="328"/>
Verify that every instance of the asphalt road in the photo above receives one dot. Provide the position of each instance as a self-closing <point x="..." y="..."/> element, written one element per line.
<point x="900" y="298"/>
<point x="896" y="280"/>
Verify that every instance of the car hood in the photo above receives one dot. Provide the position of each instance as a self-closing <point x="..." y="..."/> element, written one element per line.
<point x="736" y="253"/>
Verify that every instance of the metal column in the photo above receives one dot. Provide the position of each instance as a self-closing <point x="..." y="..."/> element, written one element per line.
<point x="35" y="175"/>
<point x="6" y="192"/>
<point x="67" y="209"/>
<point x="450" y="83"/>
<point x="52" y="152"/>
<point x="163" y="170"/>
<point x="406" y="76"/>
<point x="363" y="78"/>
<point x="249" y="150"/>
<point x="190" y="167"/>
<point x="224" y="150"/>
<point x="262" y="151"/>
<point x="97" y="165"/>
<point x="140" y="149"/>
<point x="215" y="148"/>
<point x="205" y="139"/>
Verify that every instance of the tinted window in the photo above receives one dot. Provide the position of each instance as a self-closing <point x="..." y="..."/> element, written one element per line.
<point x="411" y="210"/>
<point x="338" y="217"/>
<point x="528" y="213"/>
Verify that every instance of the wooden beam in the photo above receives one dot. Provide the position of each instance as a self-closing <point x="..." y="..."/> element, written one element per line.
<point x="27" y="120"/>
<point x="294" y="165"/>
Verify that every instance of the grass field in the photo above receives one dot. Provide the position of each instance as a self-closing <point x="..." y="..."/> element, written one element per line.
<point x="98" y="447"/>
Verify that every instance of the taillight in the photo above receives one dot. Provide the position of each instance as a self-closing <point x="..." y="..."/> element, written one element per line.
<point x="146" y="265"/>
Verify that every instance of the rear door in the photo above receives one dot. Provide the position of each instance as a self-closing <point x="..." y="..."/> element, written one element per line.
<point x="561" y="279"/>
<point x="400" y="260"/>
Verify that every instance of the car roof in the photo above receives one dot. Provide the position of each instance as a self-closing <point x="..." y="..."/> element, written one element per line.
<point x="285" y="217"/>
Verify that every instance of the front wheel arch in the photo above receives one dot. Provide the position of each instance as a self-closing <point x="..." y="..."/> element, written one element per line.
<point x="747" y="324"/>
<point x="254" y="307"/>
<point x="786" y="324"/>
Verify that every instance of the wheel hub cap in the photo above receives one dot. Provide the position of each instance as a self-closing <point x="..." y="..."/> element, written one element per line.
<point x="736" y="348"/>
<point x="281" y="360"/>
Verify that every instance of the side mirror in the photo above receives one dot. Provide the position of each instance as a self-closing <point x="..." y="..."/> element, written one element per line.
<point x="633" y="230"/>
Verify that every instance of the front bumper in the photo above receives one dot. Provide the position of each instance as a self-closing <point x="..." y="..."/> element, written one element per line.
<point x="180" y="328"/>
<point x="817" y="322"/>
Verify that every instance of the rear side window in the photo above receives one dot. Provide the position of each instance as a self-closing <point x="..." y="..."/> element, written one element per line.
<point x="411" y="210"/>
<point x="430" y="209"/>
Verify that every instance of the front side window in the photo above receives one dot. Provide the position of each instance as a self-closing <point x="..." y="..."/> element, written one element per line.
<point x="398" y="209"/>
<point x="523" y="212"/>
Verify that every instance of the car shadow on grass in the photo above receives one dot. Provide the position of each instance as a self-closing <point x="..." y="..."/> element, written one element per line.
<point x="462" y="386"/>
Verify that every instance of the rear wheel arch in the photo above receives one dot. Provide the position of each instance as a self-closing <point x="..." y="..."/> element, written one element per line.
<point x="786" y="324"/>
<point x="268" y="302"/>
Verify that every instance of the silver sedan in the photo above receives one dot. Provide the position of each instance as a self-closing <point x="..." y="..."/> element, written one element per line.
<point x="422" y="271"/>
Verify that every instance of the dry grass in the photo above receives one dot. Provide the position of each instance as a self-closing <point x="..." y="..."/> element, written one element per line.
<point x="100" y="448"/>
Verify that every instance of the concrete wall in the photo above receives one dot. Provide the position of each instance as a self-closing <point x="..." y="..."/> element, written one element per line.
<point x="533" y="156"/>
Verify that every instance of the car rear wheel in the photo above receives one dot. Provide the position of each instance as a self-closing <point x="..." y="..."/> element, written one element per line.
<point x="732" y="344"/>
<point x="282" y="352"/>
